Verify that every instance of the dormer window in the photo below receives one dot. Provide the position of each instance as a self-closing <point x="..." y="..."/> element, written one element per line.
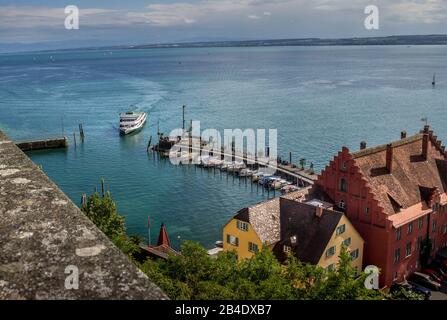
<point x="242" y="225"/>
<point x="341" y="204"/>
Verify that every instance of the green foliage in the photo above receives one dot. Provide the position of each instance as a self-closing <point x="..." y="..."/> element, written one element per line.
<point x="102" y="211"/>
<point x="404" y="294"/>
<point x="195" y="275"/>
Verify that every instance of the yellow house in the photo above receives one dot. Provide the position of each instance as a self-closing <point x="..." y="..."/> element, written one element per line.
<point x="310" y="229"/>
<point x="252" y="228"/>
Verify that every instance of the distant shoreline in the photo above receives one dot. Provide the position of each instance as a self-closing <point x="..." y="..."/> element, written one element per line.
<point x="416" y="40"/>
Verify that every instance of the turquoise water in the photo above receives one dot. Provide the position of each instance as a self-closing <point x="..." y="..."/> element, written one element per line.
<point x="319" y="99"/>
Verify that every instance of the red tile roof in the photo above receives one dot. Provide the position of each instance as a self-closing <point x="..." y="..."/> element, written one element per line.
<point x="411" y="177"/>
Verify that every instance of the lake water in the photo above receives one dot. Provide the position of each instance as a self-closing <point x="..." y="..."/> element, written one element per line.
<point x="319" y="99"/>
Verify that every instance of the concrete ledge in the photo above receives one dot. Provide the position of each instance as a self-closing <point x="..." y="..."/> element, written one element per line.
<point x="56" y="143"/>
<point x="42" y="233"/>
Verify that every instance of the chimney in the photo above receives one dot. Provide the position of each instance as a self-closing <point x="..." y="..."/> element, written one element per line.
<point x="403" y="134"/>
<point x="319" y="211"/>
<point x="425" y="139"/>
<point x="363" y="145"/>
<point x="389" y="158"/>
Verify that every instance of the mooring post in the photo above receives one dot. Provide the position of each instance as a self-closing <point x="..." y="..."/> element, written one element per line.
<point x="290" y="158"/>
<point x="102" y="186"/>
<point x="83" y="200"/>
<point x="149" y="144"/>
<point x="183" y="117"/>
<point x="81" y="132"/>
<point x="74" y="138"/>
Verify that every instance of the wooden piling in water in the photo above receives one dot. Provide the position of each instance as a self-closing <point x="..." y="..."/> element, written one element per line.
<point x="81" y="132"/>
<point x="83" y="200"/>
<point x="102" y="187"/>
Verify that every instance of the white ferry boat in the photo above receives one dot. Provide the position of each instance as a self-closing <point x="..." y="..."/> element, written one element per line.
<point x="132" y="121"/>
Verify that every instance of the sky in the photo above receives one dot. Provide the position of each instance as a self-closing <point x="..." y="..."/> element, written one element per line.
<point x="27" y="25"/>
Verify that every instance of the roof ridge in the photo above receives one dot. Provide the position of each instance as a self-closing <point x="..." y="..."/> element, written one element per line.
<point x="396" y="143"/>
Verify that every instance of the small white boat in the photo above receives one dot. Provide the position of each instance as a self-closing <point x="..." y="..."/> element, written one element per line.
<point x="132" y="121"/>
<point x="245" y="172"/>
<point x="289" y="188"/>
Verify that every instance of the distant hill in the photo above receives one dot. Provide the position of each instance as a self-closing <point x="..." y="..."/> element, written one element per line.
<point x="390" y="40"/>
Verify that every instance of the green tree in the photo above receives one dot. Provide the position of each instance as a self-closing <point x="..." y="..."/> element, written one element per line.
<point x="102" y="211"/>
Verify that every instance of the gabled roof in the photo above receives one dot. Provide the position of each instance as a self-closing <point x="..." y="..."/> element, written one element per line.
<point x="312" y="232"/>
<point x="411" y="175"/>
<point x="264" y="217"/>
<point x="163" y="238"/>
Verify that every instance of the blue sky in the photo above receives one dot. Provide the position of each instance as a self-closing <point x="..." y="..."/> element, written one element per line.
<point x="40" y="24"/>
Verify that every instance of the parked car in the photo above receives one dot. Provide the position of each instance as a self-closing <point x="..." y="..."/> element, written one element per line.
<point x="434" y="275"/>
<point x="425" y="281"/>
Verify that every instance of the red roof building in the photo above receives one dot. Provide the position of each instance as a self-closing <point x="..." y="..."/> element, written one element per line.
<point x="395" y="196"/>
<point x="163" y="248"/>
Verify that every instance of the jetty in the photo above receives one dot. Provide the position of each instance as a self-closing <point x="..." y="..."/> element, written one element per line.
<point x="189" y="149"/>
<point x="44" y="144"/>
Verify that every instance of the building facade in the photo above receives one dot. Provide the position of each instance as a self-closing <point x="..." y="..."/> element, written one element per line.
<point x="315" y="233"/>
<point x="310" y="230"/>
<point x="395" y="196"/>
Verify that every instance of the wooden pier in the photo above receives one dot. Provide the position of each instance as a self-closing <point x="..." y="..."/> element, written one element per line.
<point x="194" y="147"/>
<point x="56" y="143"/>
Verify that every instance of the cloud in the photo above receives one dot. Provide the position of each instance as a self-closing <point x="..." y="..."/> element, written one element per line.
<point x="427" y="12"/>
<point x="15" y="17"/>
<point x="253" y="17"/>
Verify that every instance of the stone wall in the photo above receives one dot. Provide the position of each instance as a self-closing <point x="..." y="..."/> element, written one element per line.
<point x="45" y="238"/>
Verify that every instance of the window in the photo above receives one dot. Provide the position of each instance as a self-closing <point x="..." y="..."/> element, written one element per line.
<point x="342" y="186"/>
<point x="344" y="165"/>
<point x="366" y="210"/>
<point x="410" y="228"/>
<point x="419" y="243"/>
<point x="398" y="233"/>
<point x="355" y="254"/>
<point x="330" y="267"/>
<point x="340" y="229"/>
<point x="435" y="207"/>
<point x="287" y="249"/>
<point x="347" y="242"/>
<point x="252" y="247"/>
<point x="420" y="222"/>
<point x="234" y="241"/>
<point x="434" y="227"/>
<point x="408" y="249"/>
<point x="445" y="229"/>
<point x="331" y="251"/>
<point x="396" y="255"/>
<point x="293" y="240"/>
<point x="341" y="204"/>
<point x="242" y="225"/>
